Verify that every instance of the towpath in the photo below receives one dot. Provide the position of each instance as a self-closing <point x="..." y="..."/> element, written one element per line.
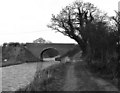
<point x="78" y="78"/>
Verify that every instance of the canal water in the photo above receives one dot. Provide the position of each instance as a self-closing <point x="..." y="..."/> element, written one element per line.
<point x="18" y="76"/>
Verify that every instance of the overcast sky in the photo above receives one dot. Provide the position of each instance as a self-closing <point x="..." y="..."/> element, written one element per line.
<point x="26" y="20"/>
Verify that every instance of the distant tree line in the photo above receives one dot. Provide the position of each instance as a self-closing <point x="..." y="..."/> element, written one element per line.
<point x="39" y="40"/>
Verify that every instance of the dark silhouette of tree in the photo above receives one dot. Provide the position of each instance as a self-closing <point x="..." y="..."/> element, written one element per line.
<point x="117" y="24"/>
<point x="93" y="32"/>
<point x="78" y="21"/>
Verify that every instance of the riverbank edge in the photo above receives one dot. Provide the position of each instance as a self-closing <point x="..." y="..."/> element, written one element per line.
<point x="16" y="63"/>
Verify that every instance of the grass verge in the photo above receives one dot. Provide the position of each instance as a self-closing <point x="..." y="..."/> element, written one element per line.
<point x="84" y="81"/>
<point x="50" y="79"/>
<point x="101" y="73"/>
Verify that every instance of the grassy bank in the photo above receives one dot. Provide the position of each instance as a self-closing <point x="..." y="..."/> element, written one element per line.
<point x="50" y="79"/>
<point x="15" y="57"/>
<point x="84" y="78"/>
<point x="103" y="73"/>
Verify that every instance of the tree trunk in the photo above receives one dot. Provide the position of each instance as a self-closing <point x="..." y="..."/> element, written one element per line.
<point x="82" y="44"/>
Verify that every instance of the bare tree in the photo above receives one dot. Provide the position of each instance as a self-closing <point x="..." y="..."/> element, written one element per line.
<point x="76" y="21"/>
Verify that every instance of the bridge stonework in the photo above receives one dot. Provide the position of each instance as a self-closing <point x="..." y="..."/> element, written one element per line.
<point x="37" y="48"/>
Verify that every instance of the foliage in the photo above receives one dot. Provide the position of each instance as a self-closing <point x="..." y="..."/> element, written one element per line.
<point x="77" y="21"/>
<point x="117" y="25"/>
<point x="16" y="53"/>
<point x="92" y="30"/>
<point x="41" y="40"/>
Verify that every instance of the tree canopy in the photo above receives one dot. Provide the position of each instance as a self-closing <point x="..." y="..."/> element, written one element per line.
<point x="41" y="40"/>
<point x="88" y="26"/>
<point x="78" y="21"/>
<point x="92" y="30"/>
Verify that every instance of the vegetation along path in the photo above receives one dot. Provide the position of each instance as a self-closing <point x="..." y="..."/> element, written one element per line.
<point x="78" y="78"/>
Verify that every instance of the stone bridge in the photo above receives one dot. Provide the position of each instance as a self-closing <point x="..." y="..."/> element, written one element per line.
<point x="37" y="48"/>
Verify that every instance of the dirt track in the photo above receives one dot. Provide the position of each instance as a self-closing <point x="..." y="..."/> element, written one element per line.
<point x="83" y="80"/>
<point x="71" y="80"/>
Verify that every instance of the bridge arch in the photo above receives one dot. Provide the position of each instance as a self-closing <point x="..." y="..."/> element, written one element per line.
<point x="49" y="53"/>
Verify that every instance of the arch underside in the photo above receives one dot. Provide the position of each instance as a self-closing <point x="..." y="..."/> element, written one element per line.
<point x="49" y="53"/>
